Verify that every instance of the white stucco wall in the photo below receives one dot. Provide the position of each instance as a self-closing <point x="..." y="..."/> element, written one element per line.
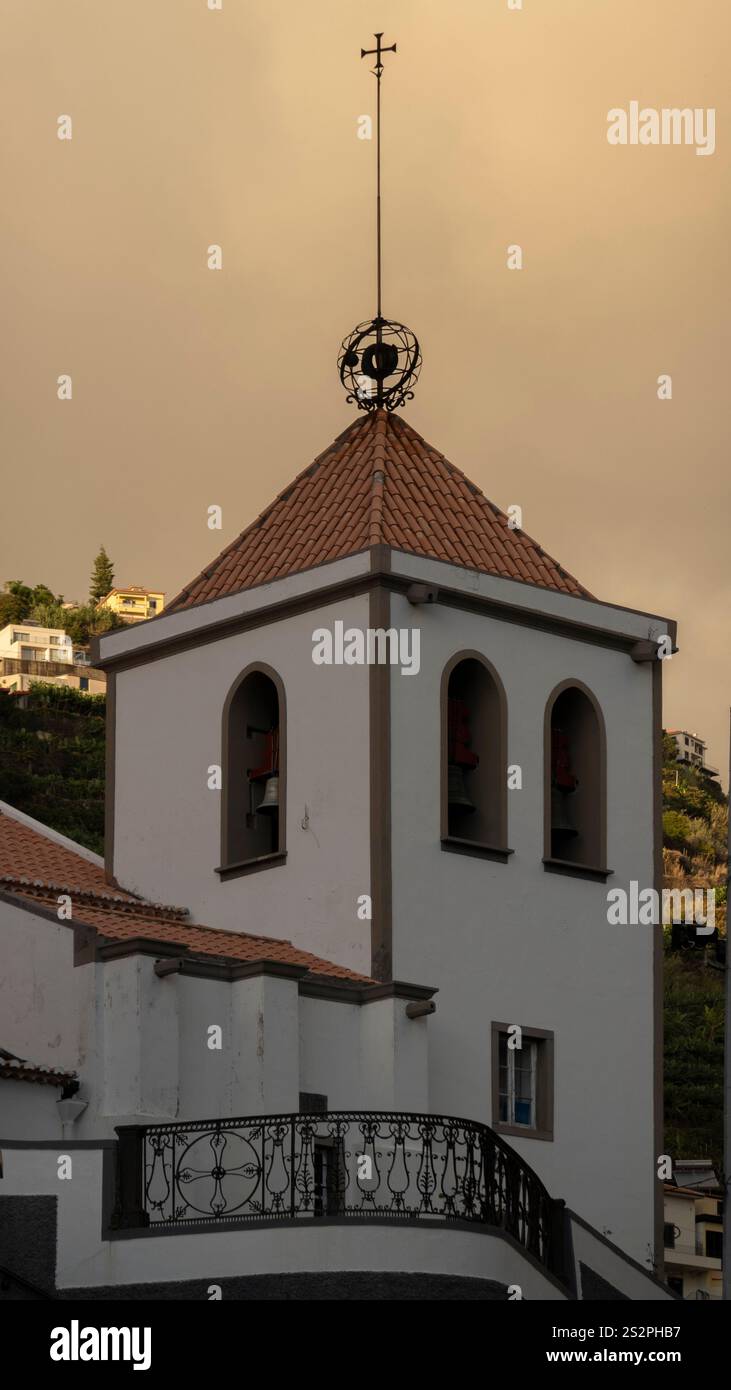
<point x="607" y="1261"/>
<point x="47" y="1006"/>
<point x="141" y="1044"/>
<point x="138" y="1024"/>
<point x="364" y="1057"/>
<point x="28" y="1108"/>
<point x="513" y="943"/>
<point x="167" y="821"/>
<point x="330" y="1049"/>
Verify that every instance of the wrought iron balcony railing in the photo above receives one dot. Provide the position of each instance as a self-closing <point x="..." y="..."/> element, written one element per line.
<point x="339" y="1166"/>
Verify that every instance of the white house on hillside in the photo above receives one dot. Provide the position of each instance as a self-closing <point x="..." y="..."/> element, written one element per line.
<point x="384" y="904"/>
<point x="30" y="652"/>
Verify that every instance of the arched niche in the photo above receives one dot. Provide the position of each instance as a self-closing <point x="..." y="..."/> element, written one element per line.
<point x="575" y="778"/>
<point x="253" y="799"/>
<point x="474" y="796"/>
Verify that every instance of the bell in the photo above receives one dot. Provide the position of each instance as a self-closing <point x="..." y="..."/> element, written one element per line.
<point x="456" y="794"/>
<point x="560" y="822"/>
<point x="270" y="799"/>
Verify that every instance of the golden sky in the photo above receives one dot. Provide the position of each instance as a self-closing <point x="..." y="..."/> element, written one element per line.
<point x="194" y="387"/>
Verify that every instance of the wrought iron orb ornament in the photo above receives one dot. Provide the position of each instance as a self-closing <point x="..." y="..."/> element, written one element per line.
<point x="379" y="363"/>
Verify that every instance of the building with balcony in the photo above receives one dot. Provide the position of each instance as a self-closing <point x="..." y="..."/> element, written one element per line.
<point x="29" y="641"/>
<point x="694" y="1238"/>
<point x="692" y="751"/>
<point x="134" y="604"/>
<point x="394" y="755"/>
<point x="29" y="652"/>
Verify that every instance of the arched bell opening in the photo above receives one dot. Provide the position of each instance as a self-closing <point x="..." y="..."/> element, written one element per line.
<point x="253" y="817"/>
<point x="474" y="753"/>
<point x="575" y="773"/>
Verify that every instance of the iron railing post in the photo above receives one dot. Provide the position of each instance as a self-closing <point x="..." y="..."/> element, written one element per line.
<point x="291" y="1166"/>
<point x="512" y="1196"/>
<point x="129" y="1211"/>
<point x="557" y="1252"/>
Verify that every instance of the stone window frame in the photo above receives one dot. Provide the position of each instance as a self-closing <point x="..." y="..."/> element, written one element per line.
<point x="497" y="850"/>
<point x="545" y="1083"/>
<point x="598" y="871"/>
<point x="229" y="869"/>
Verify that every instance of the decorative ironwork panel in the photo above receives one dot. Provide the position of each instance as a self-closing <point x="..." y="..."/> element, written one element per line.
<point x="343" y="1165"/>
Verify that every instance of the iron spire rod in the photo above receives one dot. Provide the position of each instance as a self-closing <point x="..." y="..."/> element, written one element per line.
<point x="378" y="71"/>
<point x="378" y="190"/>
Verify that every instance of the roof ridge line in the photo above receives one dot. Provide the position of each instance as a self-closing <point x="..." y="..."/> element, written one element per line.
<point x="378" y="479"/>
<point x="138" y="907"/>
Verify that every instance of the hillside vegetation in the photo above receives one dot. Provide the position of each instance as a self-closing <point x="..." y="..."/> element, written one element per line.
<point x="52" y="759"/>
<point x="695" y="829"/>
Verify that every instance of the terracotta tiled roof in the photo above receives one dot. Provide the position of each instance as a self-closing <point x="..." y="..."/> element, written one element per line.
<point x="380" y="483"/>
<point x="26" y="851"/>
<point x="35" y="870"/>
<point x="14" y="1068"/>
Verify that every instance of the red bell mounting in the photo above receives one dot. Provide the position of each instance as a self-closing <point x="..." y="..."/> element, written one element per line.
<point x="270" y="764"/>
<point x="561" y="773"/>
<point x="459" y="738"/>
<point x="563" y="784"/>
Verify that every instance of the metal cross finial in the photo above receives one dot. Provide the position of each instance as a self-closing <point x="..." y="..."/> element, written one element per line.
<point x="381" y="353"/>
<point x="378" y="69"/>
<point x="378" y="50"/>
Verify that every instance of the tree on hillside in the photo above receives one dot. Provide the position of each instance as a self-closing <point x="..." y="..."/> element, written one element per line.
<point x="12" y="608"/>
<point x="102" y="576"/>
<point x="669" y="748"/>
<point x="89" y="621"/>
<point x="18" y="600"/>
<point x="41" y="595"/>
<point x="80" y="623"/>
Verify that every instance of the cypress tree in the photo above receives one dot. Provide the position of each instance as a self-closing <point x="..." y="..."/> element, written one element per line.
<point x="102" y="576"/>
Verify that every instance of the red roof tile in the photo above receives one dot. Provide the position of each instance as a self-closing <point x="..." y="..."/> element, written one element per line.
<point x="379" y="483"/>
<point x="14" y="1068"/>
<point x="24" y="850"/>
<point x="33" y="869"/>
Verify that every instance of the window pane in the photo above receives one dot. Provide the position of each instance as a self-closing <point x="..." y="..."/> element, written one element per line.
<point x="523" y="1083"/>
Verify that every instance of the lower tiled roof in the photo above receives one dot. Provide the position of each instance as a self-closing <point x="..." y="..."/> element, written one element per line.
<point x="34" y="870"/>
<point x="14" y="1068"/>
<point x="24" y="850"/>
